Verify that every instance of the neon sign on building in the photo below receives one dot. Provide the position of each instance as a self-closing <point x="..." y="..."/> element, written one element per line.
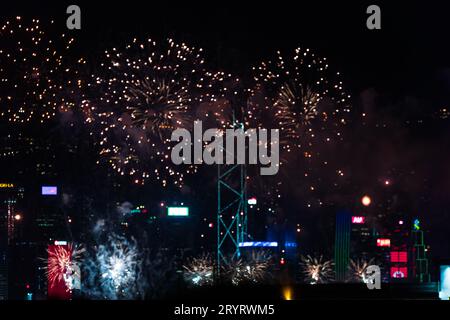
<point x="358" y="220"/>
<point x="6" y="185"/>
<point x="383" y="242"/>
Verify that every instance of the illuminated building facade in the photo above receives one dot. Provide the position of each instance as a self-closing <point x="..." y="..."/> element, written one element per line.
<point x="399" y="260"/>
<point x="10" y="218"/>
<point x="361" y="239"/>
<point x="420" y="267"/>
<point x="51" y="219"/>
<point x="398" y="248"/>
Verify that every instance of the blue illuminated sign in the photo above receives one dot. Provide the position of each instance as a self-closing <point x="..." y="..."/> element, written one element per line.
<point x="258" y="244"/>
<point x="290" y="245"/>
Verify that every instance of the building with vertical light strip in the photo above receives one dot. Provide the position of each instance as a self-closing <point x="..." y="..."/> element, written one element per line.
<point x="342" y="245"/>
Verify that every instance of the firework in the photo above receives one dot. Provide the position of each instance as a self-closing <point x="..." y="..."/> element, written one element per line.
<point x="35" y="77"/>
<point x="200" y="271"/>
<point x="358" y="270"/>
<point x="255" y="269"/>
<point x="140" y="95"/>
<point x="316" y="270"/>
<point x="63" y="265"/>
<point x="301" y="96"/>
<point x="113" y="270"/>
<point x="118" y="263"/>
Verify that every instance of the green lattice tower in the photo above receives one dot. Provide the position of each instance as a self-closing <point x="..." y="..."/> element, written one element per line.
<point x="421" y="271"/>
<point x="231" y="211"/>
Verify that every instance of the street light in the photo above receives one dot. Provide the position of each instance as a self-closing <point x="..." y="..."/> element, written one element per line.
<point x="366" y="201"/>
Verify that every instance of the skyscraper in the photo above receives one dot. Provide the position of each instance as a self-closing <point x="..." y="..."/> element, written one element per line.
<point x="342" y="245"/>
<point x="10" y="194"/>
<point x="420" y="268"/>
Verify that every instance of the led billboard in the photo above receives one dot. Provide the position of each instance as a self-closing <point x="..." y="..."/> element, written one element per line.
<point x="178" y="211"/>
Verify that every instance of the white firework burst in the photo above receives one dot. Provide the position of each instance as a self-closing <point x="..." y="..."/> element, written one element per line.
<point x="358" y="270"/>
<point x="200" y="271"/>
<point x="316" y="270"/>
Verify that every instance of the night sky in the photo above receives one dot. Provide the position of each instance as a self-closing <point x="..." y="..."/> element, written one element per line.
<point x="398" y="76"/>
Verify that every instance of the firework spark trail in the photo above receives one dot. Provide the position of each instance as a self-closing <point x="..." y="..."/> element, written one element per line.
<point x="160" y="273"/>
<point x="139" y="96"/>
<point x="301" y="96"/>
<point x="255" y="269"/>
<point x="199" y="271"/>
<point x="358" y="270"/>
<point x="63" y="264"/>
<point x="36" y="78"/>
<point x="120" y="270"/>
<point x="316" y="270"/>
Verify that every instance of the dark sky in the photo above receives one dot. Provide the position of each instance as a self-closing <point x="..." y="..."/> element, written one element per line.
<point x="408" y="57"/>
<point x="410" y="48"/>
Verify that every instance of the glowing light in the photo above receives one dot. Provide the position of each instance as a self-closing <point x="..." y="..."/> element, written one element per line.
<point x="399" y="272"/>
<point x="383" y="242"/>
<point x="258" y="244"/>
<point x="366" y="201"/>
<point x="17" y="217"/>
<point x="6" y="185"/>
<point x="416" y="224"/>
<point x="288" y="293"/>
<point x="49" y="190"/>
<point x="399" y="256"/>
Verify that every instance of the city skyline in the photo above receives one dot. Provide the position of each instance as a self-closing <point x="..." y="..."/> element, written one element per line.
<point x="87" y="116"/>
